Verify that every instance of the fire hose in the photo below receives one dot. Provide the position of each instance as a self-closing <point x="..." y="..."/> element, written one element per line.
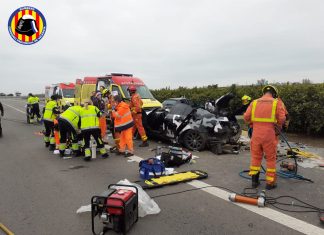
<point x="292" y="172"/>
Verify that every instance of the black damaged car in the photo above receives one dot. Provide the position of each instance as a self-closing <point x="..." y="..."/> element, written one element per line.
<point x="194" y="128"/>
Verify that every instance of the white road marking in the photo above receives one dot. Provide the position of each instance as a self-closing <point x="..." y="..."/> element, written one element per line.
<point x="281" y="218"/>
<point x="14" y="108"/>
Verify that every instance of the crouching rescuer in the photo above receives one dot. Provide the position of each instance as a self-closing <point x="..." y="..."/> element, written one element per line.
<point x="69" y="123"/>
<point x="89" y="115"/>
<point x="135" y="105"/>
<point x="265" y="115"/>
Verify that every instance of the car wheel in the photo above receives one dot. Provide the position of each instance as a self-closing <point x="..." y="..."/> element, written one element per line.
<point x="194" y="140"/>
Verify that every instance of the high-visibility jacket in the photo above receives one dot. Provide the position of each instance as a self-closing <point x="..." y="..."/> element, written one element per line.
<point x="89" y="117"/>
<point x="136" y="103"/>
<point x="263" y="114"/>
<point x="264" y="110"/>
<point x="33" y="100"/>
<point x="49" y="114"/>
<point x="123" y="117"/>
<point x="72" y="115"/>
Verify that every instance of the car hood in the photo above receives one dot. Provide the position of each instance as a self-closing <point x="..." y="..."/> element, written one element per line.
<point x="223" y="101"/>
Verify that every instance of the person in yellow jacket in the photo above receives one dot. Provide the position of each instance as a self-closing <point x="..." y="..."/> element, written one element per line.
<point x="69" y="124"/>
<point x="33" y="103"/>
<point x="51" y="111"/>
<point x="123" y="123"/>
<point x="89" y="115"/>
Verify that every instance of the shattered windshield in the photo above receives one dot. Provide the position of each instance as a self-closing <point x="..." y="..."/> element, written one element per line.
<point x="204" y="113"/>
<point x="143" y="91"/>
<point x="181" y="109"/>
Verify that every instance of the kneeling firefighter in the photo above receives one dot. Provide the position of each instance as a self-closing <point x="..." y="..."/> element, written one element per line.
<point x="89" y="115"/>
<point x="69" y="123"/>
<point x="51" y="111"/>
<point x="265" y="115"/>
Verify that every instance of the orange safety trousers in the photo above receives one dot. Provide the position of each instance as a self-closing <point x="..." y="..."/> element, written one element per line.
<point x="139" y="126"/>
<point x="264" y="141"/>
<point x="103" y="126"/>
<point x="126" y="139"/>
<point x="117" y="139"/>
<point x="56" y="135"/>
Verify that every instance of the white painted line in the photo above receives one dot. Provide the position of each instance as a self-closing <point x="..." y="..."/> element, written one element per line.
<point x="281" y="218"/>
<point x="14" y="108"/>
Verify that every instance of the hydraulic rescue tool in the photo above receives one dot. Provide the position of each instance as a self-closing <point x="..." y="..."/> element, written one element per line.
<point x="115" y="208"/>
<point x="259" y="201"/>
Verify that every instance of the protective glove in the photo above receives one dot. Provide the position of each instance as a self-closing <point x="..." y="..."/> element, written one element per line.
<point x="133" y="110"/>
<point x="250" y="131"/>
<point x="285" y="125"/>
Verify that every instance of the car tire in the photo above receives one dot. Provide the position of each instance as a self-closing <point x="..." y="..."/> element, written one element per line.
<point x="194" y="140"/>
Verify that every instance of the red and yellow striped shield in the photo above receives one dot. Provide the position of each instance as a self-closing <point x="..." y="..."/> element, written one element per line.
<point x="27" y="25"/>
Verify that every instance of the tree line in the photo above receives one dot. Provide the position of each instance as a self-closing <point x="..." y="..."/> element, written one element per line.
<point x="304" y="102"/>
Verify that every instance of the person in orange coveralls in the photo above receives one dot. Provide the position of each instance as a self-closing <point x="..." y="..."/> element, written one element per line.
<point x="124" y="124"/>
<point x="136" y="108"/>
<point x="265" y="114"/>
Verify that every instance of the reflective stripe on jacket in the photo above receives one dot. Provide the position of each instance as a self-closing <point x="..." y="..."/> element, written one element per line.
<point x="123" y="117"/>
<point x="89" y="117"/>
<point x="33" y="100"/>
<point x="48" y="114"/>
<point x="72" y="115"/>
<point x="264" y="110"/>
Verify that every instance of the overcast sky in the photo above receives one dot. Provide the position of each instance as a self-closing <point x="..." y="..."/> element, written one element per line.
<point x="167" y="42"/>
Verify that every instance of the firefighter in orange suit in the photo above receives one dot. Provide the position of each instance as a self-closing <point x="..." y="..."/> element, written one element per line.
<point x="266" y="114"/>
<point x="136" y="108"/>
<point x="123" y="123"/>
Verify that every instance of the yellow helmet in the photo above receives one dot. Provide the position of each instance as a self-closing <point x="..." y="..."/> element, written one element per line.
<point x="246" y="97"/>
<point x="272" y="89"/>
<point x="104" y="92"/>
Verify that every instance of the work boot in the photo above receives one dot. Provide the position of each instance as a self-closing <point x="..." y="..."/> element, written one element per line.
<point x="255" y="180"/>
<point x="51" y="147"/>
<point x="144" y="144"/>
<point x="105" y="155"/>
<point x="62" y="153"/>
<point x="87" y="159"/>
<point x="113" y="149"/>
<point x="76" y="153"/>
<point x="129" y="154"/>
<point x="271" y="186"/>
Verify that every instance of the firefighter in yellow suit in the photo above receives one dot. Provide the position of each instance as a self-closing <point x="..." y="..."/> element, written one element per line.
<point x="89" y="115"/>
<point x="51" y="111"/>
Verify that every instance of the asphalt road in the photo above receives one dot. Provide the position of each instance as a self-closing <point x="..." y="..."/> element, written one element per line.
<point x="40" y="192"/>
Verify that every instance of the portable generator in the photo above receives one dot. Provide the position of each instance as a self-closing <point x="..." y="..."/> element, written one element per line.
<point x="116" y="209"/>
